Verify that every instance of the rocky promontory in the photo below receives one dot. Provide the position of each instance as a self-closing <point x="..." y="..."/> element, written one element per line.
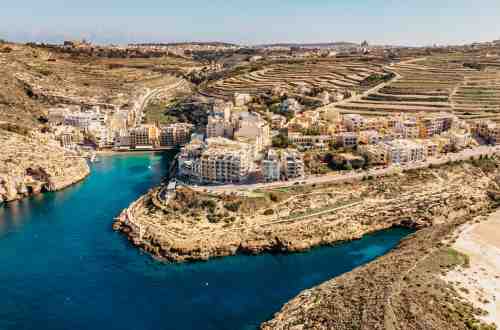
<point x="33" y="163"/>
<point x="192" y="225"/>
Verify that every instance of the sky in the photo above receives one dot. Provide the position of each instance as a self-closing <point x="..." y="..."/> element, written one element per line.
<point x="395" y="22"/>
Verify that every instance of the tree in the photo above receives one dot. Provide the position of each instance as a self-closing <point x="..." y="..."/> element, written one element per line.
<point x="280" y="141"/>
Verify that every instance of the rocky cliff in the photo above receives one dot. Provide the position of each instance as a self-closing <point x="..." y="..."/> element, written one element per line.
<point x="197" y="226"/>
<point x="32" y="163"/>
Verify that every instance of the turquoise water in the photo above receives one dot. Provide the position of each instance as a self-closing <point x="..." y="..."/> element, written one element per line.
<point x="62" y="266"/>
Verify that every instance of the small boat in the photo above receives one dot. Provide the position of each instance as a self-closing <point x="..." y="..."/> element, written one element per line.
<point x="93" y="158"/>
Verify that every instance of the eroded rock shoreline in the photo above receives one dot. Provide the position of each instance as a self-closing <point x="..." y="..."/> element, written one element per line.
<point x="35" y="164"/>
<point x="422" y="199"/>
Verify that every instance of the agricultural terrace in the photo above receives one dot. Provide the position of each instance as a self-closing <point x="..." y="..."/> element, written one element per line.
<point x="479" y="95"/>
<point x="418" y="87"/>
<point x="466" y="84"/>
<point x="328" y="74"/>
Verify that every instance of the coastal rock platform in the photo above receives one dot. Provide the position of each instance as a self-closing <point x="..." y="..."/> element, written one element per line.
<point x="33" y="164"/>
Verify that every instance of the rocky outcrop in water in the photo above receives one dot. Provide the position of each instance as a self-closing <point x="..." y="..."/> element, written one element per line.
<point x="30" y="164"/>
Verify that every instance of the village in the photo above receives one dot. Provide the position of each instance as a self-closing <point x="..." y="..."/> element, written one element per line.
<point x="241" y="146"/>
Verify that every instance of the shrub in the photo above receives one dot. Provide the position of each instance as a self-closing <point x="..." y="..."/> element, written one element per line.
<point x="233" y="207"/>
<point x="269" y="212"/>
<point x="209" y="204"/>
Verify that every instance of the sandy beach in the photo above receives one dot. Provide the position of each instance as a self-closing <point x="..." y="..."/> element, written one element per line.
<point x="480" y="283"/>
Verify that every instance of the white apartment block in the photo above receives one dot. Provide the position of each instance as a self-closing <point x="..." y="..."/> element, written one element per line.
<point x="318" y="141"/>
<point x="278" y="121"/>
<point x="222" y="109"/>
<point x="218" y="127"/>
<point x="224" y="166"/>
<point x="408" y="129"/>
<point x="241" y="99"/>
<point x="122" y="139"/>
<point x="353" y="122"/>
<point x="251" y="128"/>
<point x="292" y="164"/>
<point x="376" y="154"/>
<point x="404" y="151"/>
<point x="81" y="120"/>
<point x="271" y="167"/>
<point x="347" y="140"/>
<point x="218" y="160"/>
<point x="369" y="137"/>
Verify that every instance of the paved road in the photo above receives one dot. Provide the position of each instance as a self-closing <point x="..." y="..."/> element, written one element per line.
<point x="142" y="104"/>
<point x="357" y="174"/>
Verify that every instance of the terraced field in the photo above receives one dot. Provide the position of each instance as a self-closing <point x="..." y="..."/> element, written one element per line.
<point x="434" y="84"/>
<point x="479" y="95"/>
<point x="417" y="87"/>
<point x="331" y="75"/>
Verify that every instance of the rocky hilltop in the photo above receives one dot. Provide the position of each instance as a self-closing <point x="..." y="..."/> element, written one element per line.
<point x="32" y="163"/>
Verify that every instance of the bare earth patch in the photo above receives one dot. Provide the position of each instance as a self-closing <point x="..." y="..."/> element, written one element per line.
<point x="480" y="282"/>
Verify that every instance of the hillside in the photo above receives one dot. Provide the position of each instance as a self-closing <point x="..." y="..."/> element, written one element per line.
<point x="34" y="79"/>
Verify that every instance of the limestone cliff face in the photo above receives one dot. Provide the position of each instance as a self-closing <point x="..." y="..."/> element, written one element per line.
<point x="32" y="164"/>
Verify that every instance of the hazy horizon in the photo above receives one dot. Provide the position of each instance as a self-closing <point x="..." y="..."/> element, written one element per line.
<point x="294" y="21"/>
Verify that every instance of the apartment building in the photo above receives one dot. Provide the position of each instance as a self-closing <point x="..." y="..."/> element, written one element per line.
<point x="353" y="122"/>
<point x="347" y="140"/>
<point x="81" y="120"/>
<point x="375" y="154"/>
<point x="241" y="99"/>
<point x="404" y="151"/>
<point x="375" y="124"/>
<point x="251" y="128"/>
<point x="408" y="128"/>
<point x="369" y="137"/>
<point x="218" y="127"/>
<point x="293" y="164"/>
<point x="175" y="135"/>
<point x="431" y="125"/>
<point x="278" y="121"/>
<point x="122" y="139"/>
<point x="217" y="160"/>
<point x="99" y="134"/>
<point x="310" y="141"/>
<point x="145" y="136"/>
<point x="271" y="167"/>
<point x="431" y="148"/>
<point x="488" y="130"/>
<point x="221" y="108"/>
<point x="224" y="166"/>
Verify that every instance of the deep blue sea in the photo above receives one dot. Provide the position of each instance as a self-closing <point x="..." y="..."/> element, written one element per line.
<point x="62" y="266"/>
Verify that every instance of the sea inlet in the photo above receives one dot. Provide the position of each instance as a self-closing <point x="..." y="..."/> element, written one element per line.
<point x="62" y="266"/>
